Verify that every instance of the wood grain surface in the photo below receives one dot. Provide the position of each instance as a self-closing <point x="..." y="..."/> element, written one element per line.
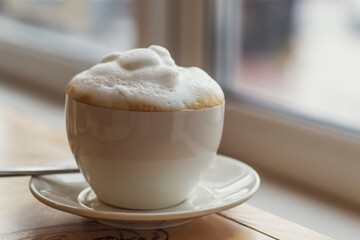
<point x="26" y="141"/>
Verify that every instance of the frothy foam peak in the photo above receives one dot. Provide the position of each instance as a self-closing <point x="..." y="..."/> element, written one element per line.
<point x="145" y="79"/>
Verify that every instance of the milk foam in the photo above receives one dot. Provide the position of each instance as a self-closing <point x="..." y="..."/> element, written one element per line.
<point x="145" y="79"/>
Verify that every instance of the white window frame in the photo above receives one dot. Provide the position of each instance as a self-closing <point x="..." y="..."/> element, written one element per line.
<point x="319" y="156"/>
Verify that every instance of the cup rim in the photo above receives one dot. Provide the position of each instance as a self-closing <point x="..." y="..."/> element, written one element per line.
<point x="67" y="97"/>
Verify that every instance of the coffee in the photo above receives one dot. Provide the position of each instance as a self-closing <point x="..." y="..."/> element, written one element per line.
<point x="145" y="79"/>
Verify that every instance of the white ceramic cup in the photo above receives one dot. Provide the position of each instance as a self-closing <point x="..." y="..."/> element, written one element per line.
<point x="142" y="160"/>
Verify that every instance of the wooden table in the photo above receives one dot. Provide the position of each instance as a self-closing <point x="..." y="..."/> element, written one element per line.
<point x="26" y="141"/>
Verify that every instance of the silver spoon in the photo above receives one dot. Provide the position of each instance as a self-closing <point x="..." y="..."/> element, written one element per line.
<point x="33" y="171"/>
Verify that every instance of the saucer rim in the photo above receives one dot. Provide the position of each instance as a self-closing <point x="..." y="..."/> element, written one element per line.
<point x="150" y="215"/>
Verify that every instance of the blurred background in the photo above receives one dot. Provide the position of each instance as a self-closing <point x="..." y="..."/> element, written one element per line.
<point x="296" y="55"/>
<point x="293" y="60"/>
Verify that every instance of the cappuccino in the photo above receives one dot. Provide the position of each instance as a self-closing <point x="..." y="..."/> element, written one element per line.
<point x="142" y="129"/>
<point x="145" y="79"/>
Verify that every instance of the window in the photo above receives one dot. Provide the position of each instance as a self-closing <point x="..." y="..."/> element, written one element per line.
<point x="61" y="38"/>
<point x="303" y="56"/>
<point x="293" y="88"/>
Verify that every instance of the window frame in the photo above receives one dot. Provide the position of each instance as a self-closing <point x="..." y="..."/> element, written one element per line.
<point x="317" y="156"/>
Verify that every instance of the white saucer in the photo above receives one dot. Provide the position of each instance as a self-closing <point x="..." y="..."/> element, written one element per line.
<point x="226" y="184"/>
